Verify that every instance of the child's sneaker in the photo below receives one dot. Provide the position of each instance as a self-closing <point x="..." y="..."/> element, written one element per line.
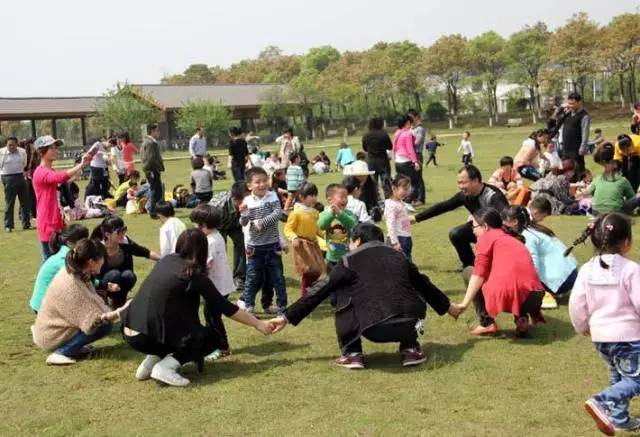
<point x="271" y="310"/>
<point x="351" y="361"/>
<point x="632" y="424"/>
<point x="549" y="302"/>
<point x="599" y="414"/>
<point x="217" y="354"/>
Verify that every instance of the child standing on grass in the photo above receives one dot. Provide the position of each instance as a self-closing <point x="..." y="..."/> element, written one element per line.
<point x="466" y="148"/>
<point x="260" y="213"/>
<point x="208" y="219"/>
<point x="432" y="148"/>
<point x="302" y="229"/>
<point x="354" y="204"/>
<point x="295" y="179"/>
<point x="397" y="217"/>
<point x="171" y="227"/>
<point x="337" y="222"/>
<point x="605" y="304"/>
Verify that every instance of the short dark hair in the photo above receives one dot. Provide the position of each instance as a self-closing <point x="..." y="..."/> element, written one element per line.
<point x="6" y="141"/>
<point x="198" y="129"/>
<point x="401" y="180"/>
<point x="624" y="141"/>
<point x="376" y="123"/>
<point x="165" y="209"/>
<point x="366" y="232"/>
<point x="467" y="132"/>
<point x="351" y="183"/>
<point x="235" y="131"/>
<point x="238" y="190"/>
<point x="332" y="188"/>
<point x="472" y="171"/>
<point x="293" y="156"/>
<point x="541" y="204"/>
<point x="206" y="215"/>
<point x="361" y="156"/>
<point x="255" y="171"/>
<point x="506" y="160"/>
<point x="597" y="130"/>
<point x="411" y="113"/>
<point x="402" y="121"/>
<point x="307" y="189"/>
<point x="635" y="128"/>
<point x="151" y="127"/>
<point x="123" y="136"/>
<point x="134" y="174"/>
<point x="574" y="96"/>
<point x="197" y="163"/>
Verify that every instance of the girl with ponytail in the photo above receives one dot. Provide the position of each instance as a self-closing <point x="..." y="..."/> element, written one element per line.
<point x="504" y="278"/>
<point x="605" y="304"/>
<point x="72" y="314"/>
<point x="60" y="243"/>
<point x="556" y="271"/>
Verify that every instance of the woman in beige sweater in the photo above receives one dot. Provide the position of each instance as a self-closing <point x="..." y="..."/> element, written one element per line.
<point x="72" y="314"/>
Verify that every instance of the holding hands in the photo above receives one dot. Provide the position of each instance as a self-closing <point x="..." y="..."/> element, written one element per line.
<point x="456" y="309"/>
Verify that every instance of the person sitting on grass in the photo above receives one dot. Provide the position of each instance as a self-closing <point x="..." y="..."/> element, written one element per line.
<point x="503" y="274"/>
<point x="60" y="243"/>
<point x="539" y="209"/>
<point x="201" y="180"/>
<point x="611" y="192"/>
<point x="120" y="194"/>
<point x="506" y="178"/>
<point x="556" y="271"/>
<point x="72" y="314"/>
<point x="171" y="227"/>
<point x="380" y="296"/>
<point x="605" y="305"/>
<point x="118" y="263"/>
<point x="163" y="319"/>
<point x="208" y="219"/>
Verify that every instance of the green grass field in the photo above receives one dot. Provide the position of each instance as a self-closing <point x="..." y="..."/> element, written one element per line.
<point x="287" y="384"/>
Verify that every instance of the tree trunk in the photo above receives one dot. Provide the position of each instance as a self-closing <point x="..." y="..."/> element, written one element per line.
<point x="393" y="103"/>
<point x="538" y="103"/>
<point x="418" y="102"/>
<point x="532" y="100"/>
<point x="621" y="80"/>
<point x="632" y="83"/>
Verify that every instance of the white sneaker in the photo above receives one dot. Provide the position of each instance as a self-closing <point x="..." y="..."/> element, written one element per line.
<point x="146" y="366"/>
<point x="56" y="359"/>
<point x="165" y="371"/>
<point x="409" y="207"/>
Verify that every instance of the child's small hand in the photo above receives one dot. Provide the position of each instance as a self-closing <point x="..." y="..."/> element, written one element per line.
<point x="335" y="209"/>
<point x="412" y="219"/>
<point x="113" y="287"/>
<point x="242" y="208"/>
<point x="397" y="247"/>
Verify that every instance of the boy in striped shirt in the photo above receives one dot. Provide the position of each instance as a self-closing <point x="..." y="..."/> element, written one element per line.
<point x="260" y="213"/>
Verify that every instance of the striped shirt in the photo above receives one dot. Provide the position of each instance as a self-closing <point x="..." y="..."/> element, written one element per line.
<point x="295" y="178"/>
<point x="261" y="217"/>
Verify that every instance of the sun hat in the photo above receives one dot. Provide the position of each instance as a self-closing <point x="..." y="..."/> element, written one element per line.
<point x="357" y="168"/>
<point x="47" y="141"/>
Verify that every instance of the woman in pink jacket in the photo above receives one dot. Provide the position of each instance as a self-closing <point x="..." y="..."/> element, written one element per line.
<point x="45" y="184"/>
<point x="404" y="155"/>
<point x="605" y="304"/>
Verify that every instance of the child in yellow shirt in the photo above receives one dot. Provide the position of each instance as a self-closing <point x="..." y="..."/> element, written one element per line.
<point x="303" y="230"/>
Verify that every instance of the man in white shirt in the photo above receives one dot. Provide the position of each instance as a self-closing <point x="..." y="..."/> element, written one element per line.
<point x="13" y="161"/>
<point x="198" y="144"/>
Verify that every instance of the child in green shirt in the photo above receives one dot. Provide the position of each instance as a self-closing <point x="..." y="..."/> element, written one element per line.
<point x="337" y="222"/>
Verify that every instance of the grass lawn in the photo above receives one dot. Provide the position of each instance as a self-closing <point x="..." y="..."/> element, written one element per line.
<point x="287" y="384"/>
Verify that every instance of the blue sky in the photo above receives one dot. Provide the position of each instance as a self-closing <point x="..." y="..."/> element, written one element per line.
<point x="69" y="47"/>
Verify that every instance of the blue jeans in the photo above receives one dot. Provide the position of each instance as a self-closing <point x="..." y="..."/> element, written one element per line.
<point x="238" y="172"/>
<point x="623" y="360"/>
<point x="74" y="346"/>
<point x="261" y="260"/>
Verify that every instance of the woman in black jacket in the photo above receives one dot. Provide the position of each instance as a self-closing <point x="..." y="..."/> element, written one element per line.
<point x="118" y="264"/>
<point x="377" y="143"/>
<point x="380" y="295"/>
<point x="162" y="319"/>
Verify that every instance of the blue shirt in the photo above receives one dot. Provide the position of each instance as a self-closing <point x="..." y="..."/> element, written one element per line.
<point x="47" y="272"/>
<point x="345" y="157"/>
<point x="548" y="258"/>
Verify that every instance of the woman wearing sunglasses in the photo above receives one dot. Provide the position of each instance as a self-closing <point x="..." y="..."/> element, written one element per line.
<point x="117" y="276"/>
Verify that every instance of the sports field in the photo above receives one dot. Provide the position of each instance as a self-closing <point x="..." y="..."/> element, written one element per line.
<point x="287" y="384"/>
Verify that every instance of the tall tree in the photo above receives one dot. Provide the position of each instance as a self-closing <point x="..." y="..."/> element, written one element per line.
<point x="214" y="117"/>
<point x="447" y="61"/>
<point x="275" y="108"/>
<point x="319" y="58"/>
<point x="194" y="74"/>
<point x="573" y="47"/>
<point x="304" y="88"/>
<point x="488" y="59"/>
<point x="126" y="110"/>
<point x="528" y="53"/>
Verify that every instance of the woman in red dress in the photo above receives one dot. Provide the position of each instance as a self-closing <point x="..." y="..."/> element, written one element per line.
<point x="504" y="272"/>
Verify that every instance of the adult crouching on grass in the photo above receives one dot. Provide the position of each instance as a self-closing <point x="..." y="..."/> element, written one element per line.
<point x="73" y="315"/>
<point x="118" y="264"/>
<point x="45" y="184"/>
<point x="473" y="195"/>
<point x="380" y="296"/>
<point x="61" y="243"/>
<point x="163" y="320"/>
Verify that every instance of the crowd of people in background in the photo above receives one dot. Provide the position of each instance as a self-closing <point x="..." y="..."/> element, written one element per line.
<point x="518" y="265"/>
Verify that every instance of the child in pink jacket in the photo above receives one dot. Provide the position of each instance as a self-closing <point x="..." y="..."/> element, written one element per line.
<point x="605" y="303"/>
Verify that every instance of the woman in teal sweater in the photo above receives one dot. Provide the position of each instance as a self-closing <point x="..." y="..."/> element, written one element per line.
<point x="556" y="271"/>
<point x="60" y="244"/>
<point x="611" y="192"/>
